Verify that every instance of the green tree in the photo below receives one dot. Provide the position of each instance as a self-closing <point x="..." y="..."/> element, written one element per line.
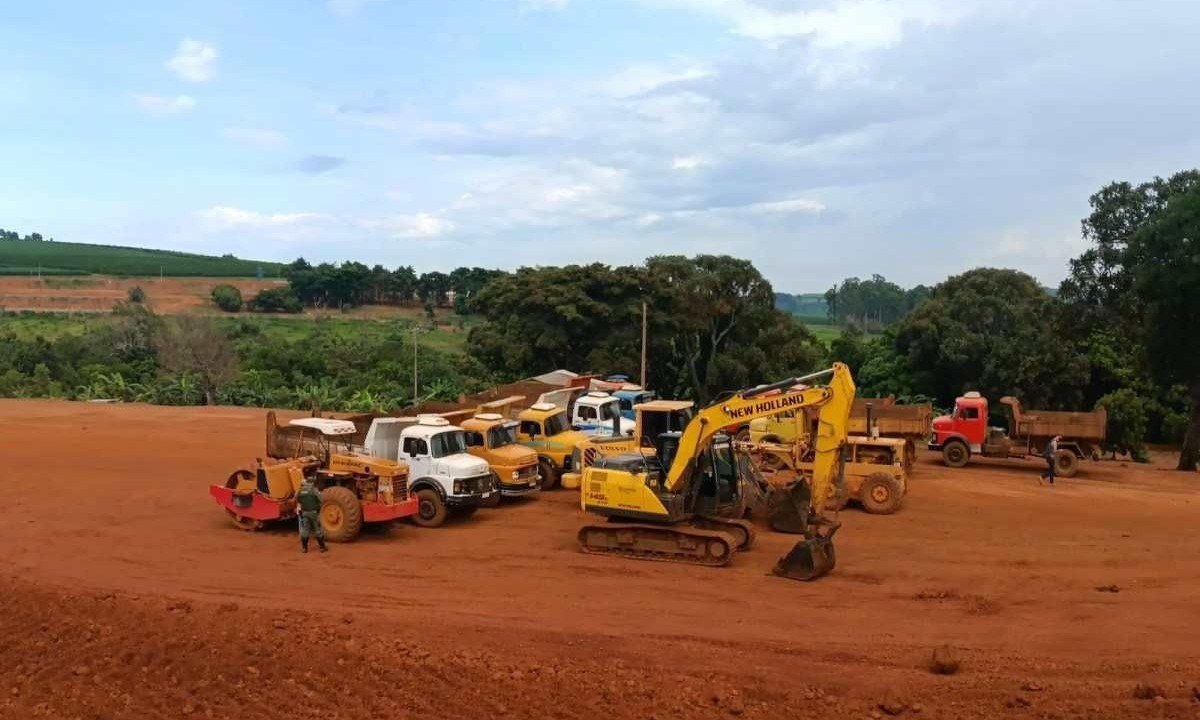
<point x="996" y="331"/>
<point x="227" y="297"/>
<point x="1127" y="420"/>
<point x="193" y="346"/>
<point x="850" y="347"/>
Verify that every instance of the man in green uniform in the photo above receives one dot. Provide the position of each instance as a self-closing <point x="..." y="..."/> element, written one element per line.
<point x="308" y="500"/>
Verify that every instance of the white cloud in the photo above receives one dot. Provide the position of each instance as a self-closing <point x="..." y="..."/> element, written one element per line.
<point x="861" y="24"/>
<point x="793" y="205"/>
<point x="224" y="217"/>
<point x="648" y="219"/>
<point x="687" y="163"/>
<point x="194" y="61"/>
<point x="347" y="8"/>
<point x="540" y="5"/>
<point x="161" y="106"/>
<point x="638" y="79"/>
<point x="256" y="137"/>
<point x="416" y="226"/>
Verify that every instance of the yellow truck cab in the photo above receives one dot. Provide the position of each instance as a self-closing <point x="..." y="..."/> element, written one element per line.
<point x="544" y="428"/>
<point x="490" y="437"/>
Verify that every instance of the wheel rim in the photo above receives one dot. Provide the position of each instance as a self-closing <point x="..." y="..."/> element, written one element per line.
<point x="880" y="494"/>
<point x="955" y="454"/>
<point x="332" y="517"/>
<point x="427" y="510"/>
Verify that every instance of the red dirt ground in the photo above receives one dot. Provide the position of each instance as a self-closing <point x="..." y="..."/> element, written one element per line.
<point x="98" y="293"/>
<point x="128" y="595"/>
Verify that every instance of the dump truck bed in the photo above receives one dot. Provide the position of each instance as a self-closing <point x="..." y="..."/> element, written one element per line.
<point x="915" y="421"/>
<point x="1090" y="426"/>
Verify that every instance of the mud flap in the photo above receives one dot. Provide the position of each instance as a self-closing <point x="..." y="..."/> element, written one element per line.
<point x="808" y="560"/>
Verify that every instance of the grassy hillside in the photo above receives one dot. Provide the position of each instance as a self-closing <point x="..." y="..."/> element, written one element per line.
<point x="20" y="257"/>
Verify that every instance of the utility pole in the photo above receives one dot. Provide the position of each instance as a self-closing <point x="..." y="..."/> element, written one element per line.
<point x="643" y="344"/>
<point x="414" y="342"/>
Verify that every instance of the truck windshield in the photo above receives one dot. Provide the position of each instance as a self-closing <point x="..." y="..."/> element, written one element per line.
<point x="502" y="435"/>
<point x="447" y="443"/>
<point x="556" y="423"/>
<point x="610" y="410"/>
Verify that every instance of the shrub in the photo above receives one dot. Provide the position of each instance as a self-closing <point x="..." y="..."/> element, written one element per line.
<point x="137" y="294"/>
<point x="278" y="299"/>
<point x="1126" y="423"/>
<point x="227" y="297"/>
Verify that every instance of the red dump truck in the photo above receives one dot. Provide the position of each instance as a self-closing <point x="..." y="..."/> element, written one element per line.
<point x="965" y="433"/>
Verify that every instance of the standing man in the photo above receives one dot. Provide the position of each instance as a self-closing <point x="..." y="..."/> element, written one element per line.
<point x="1051" y="458"/>
<point x="308" y="499"/>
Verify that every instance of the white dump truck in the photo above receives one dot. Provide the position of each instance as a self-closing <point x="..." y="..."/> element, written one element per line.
<point x="596" y="414"/>
<point x="444" y="477"/>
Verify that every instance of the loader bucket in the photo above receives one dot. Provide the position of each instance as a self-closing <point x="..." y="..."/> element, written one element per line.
<point x="807" y="560"/>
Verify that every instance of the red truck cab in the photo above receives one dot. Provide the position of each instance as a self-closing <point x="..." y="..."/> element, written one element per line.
<point x="968" y="423"/>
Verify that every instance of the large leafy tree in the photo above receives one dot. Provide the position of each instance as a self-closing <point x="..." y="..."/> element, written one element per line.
<point x="996" y="331"/>
<point x="712" y="324"/>
<point x="1132" y="292"/>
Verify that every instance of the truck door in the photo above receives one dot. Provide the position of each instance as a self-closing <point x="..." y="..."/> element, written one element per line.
<point x="971" y="421"/>
<point x="415" y="452"/>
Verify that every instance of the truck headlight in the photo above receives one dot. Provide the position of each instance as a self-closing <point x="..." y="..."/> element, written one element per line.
<point x="516" y="474"/>
<point x="458" y="487"/>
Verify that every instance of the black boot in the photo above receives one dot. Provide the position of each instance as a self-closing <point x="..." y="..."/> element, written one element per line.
<point x="321" y="544"/>
<point x="303" y="545"/>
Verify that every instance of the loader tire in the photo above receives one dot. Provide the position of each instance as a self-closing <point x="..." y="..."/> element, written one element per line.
<point x="956" y="454"/>
<point x="341" y="514"/>
<point x="431" y="510"/>
<point x="1065" y="463"/>
<point x="549" y="473"/>
<point x="771" y="461"/>
<point x="880" y="494"/>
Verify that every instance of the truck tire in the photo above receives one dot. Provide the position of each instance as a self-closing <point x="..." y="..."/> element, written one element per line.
<point x="341" y="514"/>
<point x="956" y="454"/>
<point x="1065" y="463"/>
<point x="880" y="494"/>
<point x="431" y="510"/>
<point x="549" y="474"/>
<point x="771" y="461"/>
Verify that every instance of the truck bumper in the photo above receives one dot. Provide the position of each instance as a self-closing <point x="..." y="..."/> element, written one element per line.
<point x="518" y="490"/>
<point x="934" y="445"/>
<point x="471" y="500"/>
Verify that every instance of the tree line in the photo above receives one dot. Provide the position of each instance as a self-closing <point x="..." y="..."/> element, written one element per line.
<point x="29" y="237"/>
<point x="871" y="305"/>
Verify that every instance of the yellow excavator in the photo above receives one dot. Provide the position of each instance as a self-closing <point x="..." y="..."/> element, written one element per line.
<point x="685" y="502"/>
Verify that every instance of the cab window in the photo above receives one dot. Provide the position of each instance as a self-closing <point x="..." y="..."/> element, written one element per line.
<point x="474" y="439"/>
<point x="587" y="413"/>
<point x="415" y="447"/>
<point x="530" y="428"/>
<point x="969" y="413"/>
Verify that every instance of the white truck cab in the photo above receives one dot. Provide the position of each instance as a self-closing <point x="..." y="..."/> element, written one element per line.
<point x="442" y="474"/>
<point x="595" y="413"/>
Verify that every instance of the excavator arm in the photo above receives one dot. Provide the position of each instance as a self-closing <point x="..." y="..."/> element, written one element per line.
<point x="833" y="401"/>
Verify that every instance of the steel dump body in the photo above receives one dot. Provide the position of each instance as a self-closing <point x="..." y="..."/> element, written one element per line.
<point x="1044" y="424"/>
<point x="891" y="420"/>
<point x="290" y="441"/>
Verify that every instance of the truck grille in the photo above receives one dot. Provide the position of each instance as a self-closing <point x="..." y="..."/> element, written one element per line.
<point x="526" y="473"/>
<point x="479" y="484"/>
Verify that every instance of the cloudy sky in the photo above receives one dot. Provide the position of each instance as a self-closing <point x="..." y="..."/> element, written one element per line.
<point x="820" y="138"/>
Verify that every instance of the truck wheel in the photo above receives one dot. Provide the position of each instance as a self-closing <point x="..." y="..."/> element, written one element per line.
<point x="431" y="511"/>
<point x="341" y="514"/>
<point x="955" y="454"/>
<point x="1065" y="463"/>
<point x="549" y="474"/>
<point x="880" y="494"/>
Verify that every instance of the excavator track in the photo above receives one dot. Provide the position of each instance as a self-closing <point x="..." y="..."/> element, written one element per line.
<point x="664" y="543"/>
<point x="743" y="530"/>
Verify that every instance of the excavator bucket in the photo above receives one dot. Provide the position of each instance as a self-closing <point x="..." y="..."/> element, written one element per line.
<point x="808" y="560"/>
<point x="787" y="508"/>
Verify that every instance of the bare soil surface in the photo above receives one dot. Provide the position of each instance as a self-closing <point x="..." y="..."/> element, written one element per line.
<point x="127" y="594"/>
<point x="97" y="293"/>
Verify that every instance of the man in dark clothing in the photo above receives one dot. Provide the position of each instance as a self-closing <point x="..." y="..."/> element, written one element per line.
<point x="308" y="502"/>
<point x="1051" y="454"/>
